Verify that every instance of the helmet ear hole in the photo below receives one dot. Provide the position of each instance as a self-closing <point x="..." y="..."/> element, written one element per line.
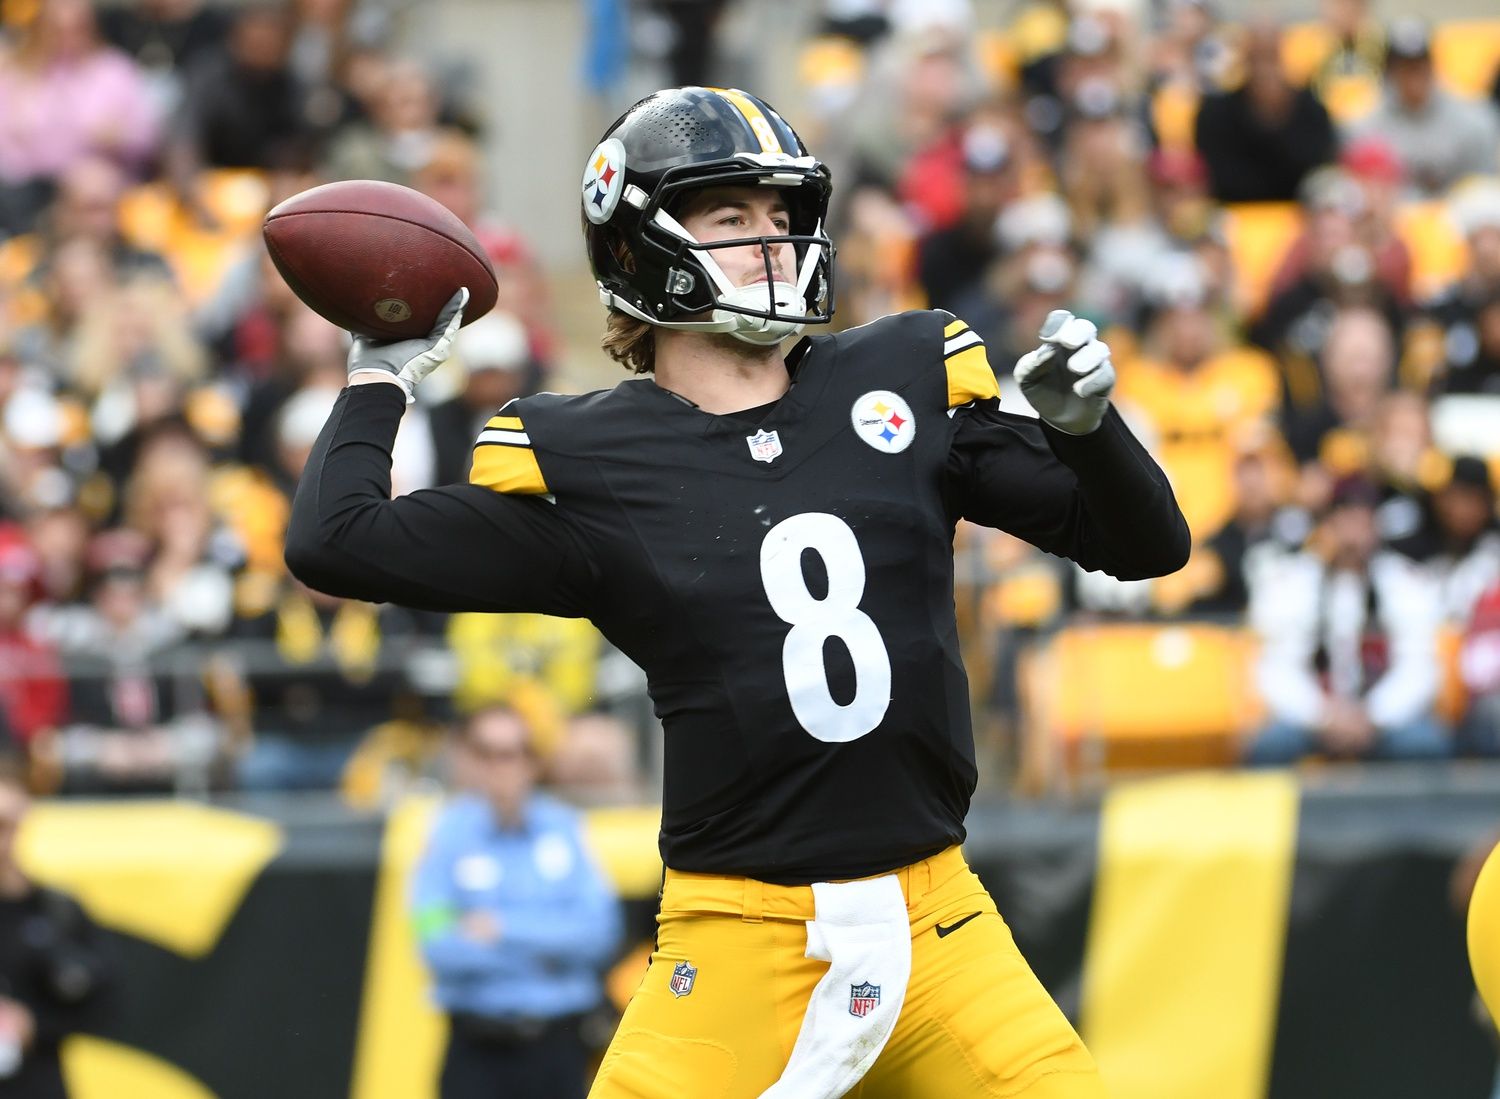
<point x="620" y="248"/>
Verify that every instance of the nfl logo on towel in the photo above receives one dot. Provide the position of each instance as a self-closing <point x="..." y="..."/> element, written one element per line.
<point x="683" y="976"/>
<point x="863" y="998"/>
<point x="765" y="446"/>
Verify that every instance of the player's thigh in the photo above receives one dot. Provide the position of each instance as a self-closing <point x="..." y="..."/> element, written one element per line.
<point x="977" y="1024"/>
<point x="730" y="1034"/>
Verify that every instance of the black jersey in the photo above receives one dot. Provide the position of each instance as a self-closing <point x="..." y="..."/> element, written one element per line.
<point x="786" y="581"/>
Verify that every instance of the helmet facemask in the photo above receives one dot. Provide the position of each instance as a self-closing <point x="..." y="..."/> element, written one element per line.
<point x="692" y="282"/>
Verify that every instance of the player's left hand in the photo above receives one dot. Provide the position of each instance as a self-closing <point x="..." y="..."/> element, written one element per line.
<point x="1069" y="378"/>
<point x="407" y="362"/>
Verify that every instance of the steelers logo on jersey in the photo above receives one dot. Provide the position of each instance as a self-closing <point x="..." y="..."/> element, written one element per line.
<point x="603" y="181"/>
<point x="884" y="420"/>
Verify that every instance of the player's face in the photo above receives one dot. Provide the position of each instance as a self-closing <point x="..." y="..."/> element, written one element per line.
<point x="732" y="213"/>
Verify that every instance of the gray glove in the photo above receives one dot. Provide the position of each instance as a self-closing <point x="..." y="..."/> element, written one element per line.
<point x="1069" y="378"/>
<point x="409" y="361"/>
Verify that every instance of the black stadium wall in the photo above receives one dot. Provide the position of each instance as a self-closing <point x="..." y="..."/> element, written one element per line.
<point x="1214" y="936"/>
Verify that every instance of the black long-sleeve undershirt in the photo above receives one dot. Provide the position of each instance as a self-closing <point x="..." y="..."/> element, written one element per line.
<point x="1098" y="499"/>
<point x="454" y="548"/>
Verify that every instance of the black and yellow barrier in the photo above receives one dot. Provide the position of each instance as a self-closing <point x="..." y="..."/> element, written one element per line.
<point x="1216" y="937"/>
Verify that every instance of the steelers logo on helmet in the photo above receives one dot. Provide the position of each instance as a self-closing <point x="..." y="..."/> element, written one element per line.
<point x="603" y="180"/>
<point x="884" y="421"/>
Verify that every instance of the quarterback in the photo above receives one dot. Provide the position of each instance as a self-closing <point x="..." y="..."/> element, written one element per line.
<point x="768" y="534"/>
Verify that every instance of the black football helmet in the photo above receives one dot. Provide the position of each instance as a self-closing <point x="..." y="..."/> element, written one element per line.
<point x="649" y="266"/>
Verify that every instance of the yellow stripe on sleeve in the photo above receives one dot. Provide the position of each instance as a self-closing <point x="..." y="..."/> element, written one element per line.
<point x="969" y="375"/>
<point x="505" y="423"/>
<point x="511" y="469"/>
<point x="955" y="326"/>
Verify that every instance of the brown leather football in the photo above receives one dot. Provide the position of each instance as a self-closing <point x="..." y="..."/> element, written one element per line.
<point x="377" y="258"/>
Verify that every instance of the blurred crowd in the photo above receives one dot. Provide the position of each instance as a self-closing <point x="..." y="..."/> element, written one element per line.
<point x="161" y="387"/>
<point x="1289" y="234"/>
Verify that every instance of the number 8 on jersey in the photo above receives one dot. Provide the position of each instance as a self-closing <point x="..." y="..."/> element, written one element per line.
<point x="814" y="621"/>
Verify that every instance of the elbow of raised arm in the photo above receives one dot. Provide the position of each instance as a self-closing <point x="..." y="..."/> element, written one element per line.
<point x="1164" y="556"/>
<point x="1177" y="548"/>
<point x="310" y="557"/>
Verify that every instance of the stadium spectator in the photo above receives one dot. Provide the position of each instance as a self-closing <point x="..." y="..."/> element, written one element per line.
<point x="193" y="558"/>
<point x="1195" y="390"/>
<point x="1479" y="668"/>
<point x="308" y="352"/>
<point x="323" y="672"/>
<point x="87" y="206"/>
<point x="515" y="920"/>
<point x="137" y="722"/>
<point x="952" y="262"/>
<point x="60" y="536"/>
<point x="1472" y="361"/>
<point x="1356" y="371"/>
<point x="242" y="105"/>
<point x="1101" y="164"/>
<point x="1461" y="544"/>
<point x="33" y="692"/>
<point x="1256" y="533"/>
<point x="1040" y="277"/>
<point x="54" y="968"/>
<point x="1263" y="138"/>
<point x="165" y="38"/>
<point x="32" y="437"/>
<point x="917" y="83"/>
<point x="1125" y="258"/>
<point x="1438" y="137"/>
<point x="1350" y="219"/>
<point x="79" y="275"/>
<point x="1403" y="463"/>
<point x="1191" y="49"/>
<point x="1340" y="278"/>
<point x="1356" y="46"/>
<point x="1454" y="348"/>
<point x="67" y="96"/>
<point x="1348" y="631"/>
<point x="398" y="137"/>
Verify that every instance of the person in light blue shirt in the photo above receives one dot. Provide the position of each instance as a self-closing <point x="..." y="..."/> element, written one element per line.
<point x="515" y="922"/>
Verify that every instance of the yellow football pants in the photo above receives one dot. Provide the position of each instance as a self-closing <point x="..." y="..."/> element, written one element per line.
<point x="976" y="1023"/>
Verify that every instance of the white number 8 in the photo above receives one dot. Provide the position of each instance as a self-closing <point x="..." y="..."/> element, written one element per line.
<point x="814" y="621"/>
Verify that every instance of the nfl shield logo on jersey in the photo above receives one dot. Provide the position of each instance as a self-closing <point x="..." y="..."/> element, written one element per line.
<point x="683" y="976"/>
<point x="863" y="999"/>
<point x="765" y="446"/>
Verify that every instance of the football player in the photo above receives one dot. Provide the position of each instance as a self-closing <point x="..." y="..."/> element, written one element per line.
<point x="769" y="535"/>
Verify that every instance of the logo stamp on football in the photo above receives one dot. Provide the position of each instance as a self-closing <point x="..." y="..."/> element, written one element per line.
<point x="863" y="999"/>
<point x="392" y="309"/>
<point x="884" y="420"/>
<point x="765" y="446"/>
<point x="683" y="976"/>
<point x="604" y="180"/>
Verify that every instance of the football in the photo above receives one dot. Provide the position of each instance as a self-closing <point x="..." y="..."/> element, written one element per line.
<point x="377" y="258"/>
